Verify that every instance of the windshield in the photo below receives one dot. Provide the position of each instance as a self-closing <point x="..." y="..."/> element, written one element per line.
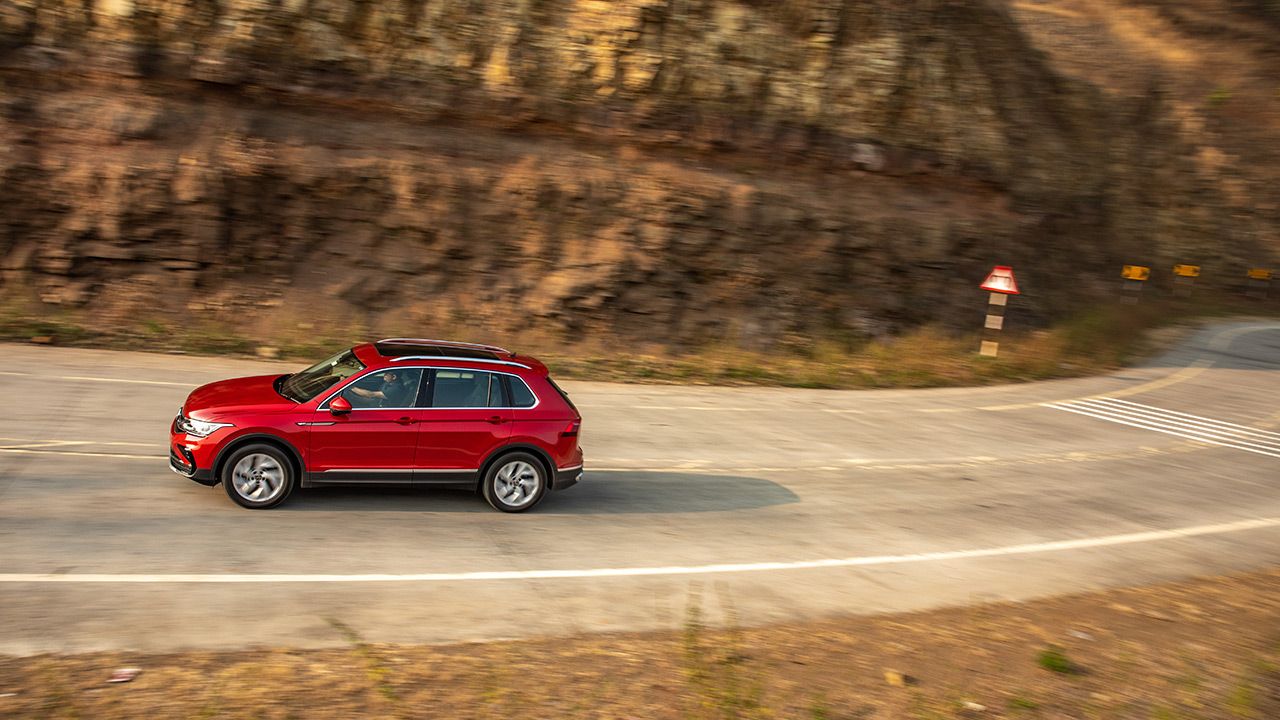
<point x="316" y="379"/>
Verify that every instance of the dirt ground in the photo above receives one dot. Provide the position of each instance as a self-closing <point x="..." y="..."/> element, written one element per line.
<point x="1207" y="648"/>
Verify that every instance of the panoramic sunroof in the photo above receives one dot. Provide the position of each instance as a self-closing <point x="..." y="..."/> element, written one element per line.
<point x="403" y="350"/>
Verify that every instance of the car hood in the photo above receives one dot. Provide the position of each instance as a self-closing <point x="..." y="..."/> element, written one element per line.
<point x="209" y="402"/>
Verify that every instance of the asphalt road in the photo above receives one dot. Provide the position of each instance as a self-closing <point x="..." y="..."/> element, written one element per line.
<point x="760" y="504"/>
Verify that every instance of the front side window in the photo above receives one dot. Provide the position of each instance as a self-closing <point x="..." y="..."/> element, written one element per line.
<point x="309" y="383"/>
<point x="390" y="388"/>
<point x="465" y="389"/>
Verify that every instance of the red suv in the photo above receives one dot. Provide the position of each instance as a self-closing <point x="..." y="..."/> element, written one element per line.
<point x="402" y="410"/>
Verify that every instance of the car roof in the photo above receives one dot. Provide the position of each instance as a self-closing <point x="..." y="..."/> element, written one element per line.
<point x="396" y="352"/>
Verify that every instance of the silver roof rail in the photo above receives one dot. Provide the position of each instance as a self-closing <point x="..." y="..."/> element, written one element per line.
<point x="446" y="343"/>
<point x="460" y="359"/>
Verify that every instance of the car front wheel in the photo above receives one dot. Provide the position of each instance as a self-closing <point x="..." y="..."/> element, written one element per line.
<point x="515" y="483"/>
<point x="258" y="476"/>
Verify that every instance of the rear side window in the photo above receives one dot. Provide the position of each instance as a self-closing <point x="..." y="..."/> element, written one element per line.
<point x="463" y="389"/>
<point x="498" y="393"/>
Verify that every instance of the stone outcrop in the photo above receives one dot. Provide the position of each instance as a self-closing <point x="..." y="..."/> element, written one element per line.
<point x="680" y="171"/>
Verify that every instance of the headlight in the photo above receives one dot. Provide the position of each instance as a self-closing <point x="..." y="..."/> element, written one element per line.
<point x="199" y="428"/>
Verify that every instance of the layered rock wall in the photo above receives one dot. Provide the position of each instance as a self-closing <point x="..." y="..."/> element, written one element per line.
<point x="681" y="171"/>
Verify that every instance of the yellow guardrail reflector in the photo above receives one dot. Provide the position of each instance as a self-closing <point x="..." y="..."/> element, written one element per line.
<point x="1260" y="274"/>
<point x="1135" y="272"/>
<point x="1186" y="270"/>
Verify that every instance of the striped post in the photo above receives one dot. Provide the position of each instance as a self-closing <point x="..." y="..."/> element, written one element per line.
<point x="1135" y="276"/>
<point x="995" y="323"/>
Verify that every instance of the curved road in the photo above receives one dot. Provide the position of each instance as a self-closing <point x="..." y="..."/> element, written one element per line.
<point x="766" y="504"/>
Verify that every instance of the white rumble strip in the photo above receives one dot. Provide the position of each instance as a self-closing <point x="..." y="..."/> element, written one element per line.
<point x="1172" y="422"/>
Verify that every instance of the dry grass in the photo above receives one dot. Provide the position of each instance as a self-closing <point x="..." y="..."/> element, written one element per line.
<point x="1092" y="341"/>
<point x="1200" y="650"/>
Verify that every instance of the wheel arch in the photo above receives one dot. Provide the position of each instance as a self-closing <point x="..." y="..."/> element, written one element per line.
<point x="291" y="452"/>
<point x="534" y="450"/>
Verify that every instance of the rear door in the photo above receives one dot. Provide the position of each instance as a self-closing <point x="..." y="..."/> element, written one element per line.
<point x="378" y="439"/>
<point x="467" y="417"/>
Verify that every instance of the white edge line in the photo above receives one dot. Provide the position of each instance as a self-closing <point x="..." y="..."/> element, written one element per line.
<point x="1026" y="549"/>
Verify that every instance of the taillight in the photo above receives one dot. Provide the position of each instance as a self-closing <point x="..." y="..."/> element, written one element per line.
<point x="572" y="429"/>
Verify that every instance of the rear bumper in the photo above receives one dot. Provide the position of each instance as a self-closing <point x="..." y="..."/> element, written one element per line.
<point x="567" y="477"/>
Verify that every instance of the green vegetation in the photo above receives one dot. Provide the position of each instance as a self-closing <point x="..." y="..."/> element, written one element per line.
<point x="721" y="686"/>
<point x="1054" y="659"/>
<point x="1022" y="702"/>
<point x="375" y="668"/>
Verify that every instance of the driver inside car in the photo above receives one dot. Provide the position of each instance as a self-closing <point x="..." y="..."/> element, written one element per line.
<point x="387" y="389"/>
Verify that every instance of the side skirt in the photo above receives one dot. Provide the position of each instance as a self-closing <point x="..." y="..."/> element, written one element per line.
<point x="435" y="478"/>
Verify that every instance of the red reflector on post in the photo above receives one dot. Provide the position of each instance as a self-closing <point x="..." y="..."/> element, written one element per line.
<point x="1001" y="280"/>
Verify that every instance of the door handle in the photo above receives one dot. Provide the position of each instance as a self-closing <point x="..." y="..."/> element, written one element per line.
<point x="495" y="419"/>
<point x="405" y="421"/>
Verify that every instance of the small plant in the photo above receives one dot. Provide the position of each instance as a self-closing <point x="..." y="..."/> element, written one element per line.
<point x="375" y="669"/>
<point x="1242" y="702"/>
<point x="1054" y="659"/>
<point x="1219" y="97"/>
<point x="724" y="690"/>
<point x="818" y="710"/>
<point x="1021" y="702"/>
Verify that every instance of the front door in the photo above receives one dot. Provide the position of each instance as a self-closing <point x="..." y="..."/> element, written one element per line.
<point x="375" y="442"/>
<point x="468" y="417"/>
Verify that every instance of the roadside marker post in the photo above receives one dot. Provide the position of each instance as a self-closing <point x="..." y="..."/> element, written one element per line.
<point x="1259" y="282"/>
<point x="1184" y="279"/>
<point x="1000" y="284"/>
<point x="1135" y="276"/>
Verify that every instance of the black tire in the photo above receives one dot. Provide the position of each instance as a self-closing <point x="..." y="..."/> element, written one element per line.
<point x="273" y="472"/>
<point x="517" y="468"/>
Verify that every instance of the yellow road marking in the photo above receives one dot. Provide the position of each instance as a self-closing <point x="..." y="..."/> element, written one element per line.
<point x="1219" y="343"/>
<point x="1047" y="9"/>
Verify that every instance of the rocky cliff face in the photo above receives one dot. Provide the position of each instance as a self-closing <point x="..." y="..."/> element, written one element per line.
<point x="682" y="171"/>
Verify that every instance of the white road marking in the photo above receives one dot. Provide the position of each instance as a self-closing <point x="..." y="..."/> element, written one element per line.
<point x="1197" y="419"/>
<point x="1147" y="417"/>
<point x="23" y="442"/>
<point x="45" y="444"/>
<point x="729" y="408"/>
<point x="46" y="447"/>
<point x="874" y="560"/>
<point x="124" y="380"/>
<point x="77" y="453"/>
<point x="101" y="379"/>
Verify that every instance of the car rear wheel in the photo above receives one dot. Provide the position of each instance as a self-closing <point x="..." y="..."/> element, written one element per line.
<point x="515" y="483"/>
<point x="258" y="476"/>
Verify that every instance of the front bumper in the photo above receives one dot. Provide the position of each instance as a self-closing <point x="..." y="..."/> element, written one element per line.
<point x="183" y="457"/>
<point x="183" y="462"/>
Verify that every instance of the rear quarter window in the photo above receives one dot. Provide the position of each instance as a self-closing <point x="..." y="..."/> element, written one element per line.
<point x="521" y="395"/>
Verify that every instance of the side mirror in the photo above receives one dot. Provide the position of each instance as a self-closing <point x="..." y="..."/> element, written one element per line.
<point x="339" y="406"/>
